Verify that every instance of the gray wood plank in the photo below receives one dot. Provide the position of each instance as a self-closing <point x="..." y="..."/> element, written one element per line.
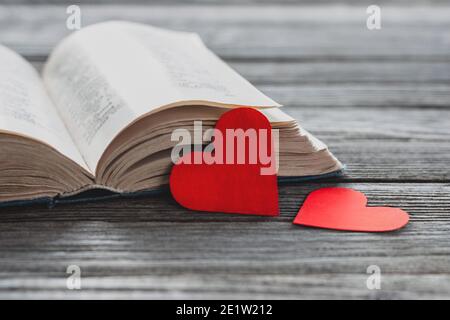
<point x="370" y="95"/>
<point x="383" y="144"/>
<point x="150" y="248"/>
<point x="344" y="72"/>
<point x="235" y="32"/>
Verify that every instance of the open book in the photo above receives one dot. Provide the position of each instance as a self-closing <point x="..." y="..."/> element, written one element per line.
<point x="102" y="114"/>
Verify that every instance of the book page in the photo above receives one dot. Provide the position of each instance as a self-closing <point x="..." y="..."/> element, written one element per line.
<point x="104" y="77"/>
<point x="26" y="110"/>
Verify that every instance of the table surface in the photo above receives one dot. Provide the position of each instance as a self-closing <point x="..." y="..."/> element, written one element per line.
<point x="379" y="99"/>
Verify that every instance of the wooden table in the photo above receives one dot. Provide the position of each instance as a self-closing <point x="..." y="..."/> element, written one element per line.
<point x="380" y="100"/>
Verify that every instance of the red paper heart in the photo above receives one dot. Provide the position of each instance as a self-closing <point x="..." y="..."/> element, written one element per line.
<point x="345" y="209"/>
<point x="228" y="188"/>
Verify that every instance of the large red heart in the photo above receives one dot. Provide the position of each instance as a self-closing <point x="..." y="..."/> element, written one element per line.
<point x="229" y="187"/>
<point x="345" y="209"/>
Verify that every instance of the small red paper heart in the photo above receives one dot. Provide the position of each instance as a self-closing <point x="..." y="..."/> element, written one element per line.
<point x="345" y="209"/>
<point x="229" y="187"/>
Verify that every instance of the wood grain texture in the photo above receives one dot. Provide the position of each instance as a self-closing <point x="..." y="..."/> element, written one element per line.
<point x="382" y="144"/>
<point x="380" y="100"/>
<point x="151" y="248"/>
<point x="242" y="32"/>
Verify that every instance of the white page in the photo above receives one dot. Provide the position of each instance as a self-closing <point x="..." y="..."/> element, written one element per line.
<point x="26" y="110"/>
<point x="104" y="77"/>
